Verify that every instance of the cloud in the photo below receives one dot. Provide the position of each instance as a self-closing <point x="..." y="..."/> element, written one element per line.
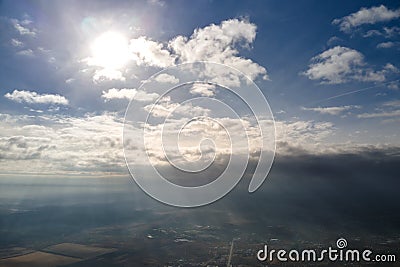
<point x="390" y="67"/>
<point x="387" y="32"/>
<point x="393" y="113"/>
<point x="341" y="64"/>
<point x="387" y="109"/>
<point x="394" y="103"/>
<point x="22" y="148"/>
<point x="156" y="3"/>
<point x="24" y="27"/>
<point x="148" y="52"/>
<point x="220" y="43"/>
<point x="304" y="136"/>
<point x="166" y="78"/>
<point x="165" y="107"/>
<point x="331" y="110"/>
<point x="26" y="52"/>
<point x="107" y="74"/>
<point x="387" y="44"/>
<point x="92" y="144"/>
<point x="347" y="180"/>
<point x="333" y="40"/>
<point x="391" y="31"/>
<point x="16" y="43"/>
<point x="129" y="94"/>
<point x="366" y="16"/>
<point x="395" y="85"/>
<point x="372" y="33"/>
<point x="203" y="89"/>
<point x="35" y="98"/>
<point x="59" y="144"/>
<point x="69" y="80"/>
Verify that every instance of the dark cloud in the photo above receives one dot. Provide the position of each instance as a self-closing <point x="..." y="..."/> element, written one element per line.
<point x="356" y="192"/>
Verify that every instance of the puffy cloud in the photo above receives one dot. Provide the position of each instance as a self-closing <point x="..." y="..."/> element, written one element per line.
<point x="26" y="52"/>
<point x="16" y="43"/>
<point x="395" y="85"/>
<point x="107" y="74"/>
<point x="366" y="16"/>
<point x="129" y="94"/>
<point x="148" y="52"/>
<point x="35" y="98"/>
<point x="334" y="64"/>
<point x="391" y="68"/>
<point x="331" y="110"/>
<point x="219" y="43"/>
<point x="166" y="78"/>
<point x="341" y="64"/>
<point x="24" y="27"/>
<point x="203" y="89"/>
<point x="23" y="148"/>
<point x="387" y="44"/>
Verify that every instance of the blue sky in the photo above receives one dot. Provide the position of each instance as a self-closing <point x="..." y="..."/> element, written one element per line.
<point x="62" y="103"/>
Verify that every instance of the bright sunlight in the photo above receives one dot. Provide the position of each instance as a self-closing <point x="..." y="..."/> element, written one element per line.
<point x="110" y="50"/>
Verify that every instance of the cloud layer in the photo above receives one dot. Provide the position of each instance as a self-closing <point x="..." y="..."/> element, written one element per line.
<point x="331" y="110"/>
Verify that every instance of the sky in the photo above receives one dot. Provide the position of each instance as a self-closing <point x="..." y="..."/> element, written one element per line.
<point x="329" y="70"/>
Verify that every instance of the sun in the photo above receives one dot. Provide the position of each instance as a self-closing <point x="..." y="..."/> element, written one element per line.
<point x="110" y="50"/>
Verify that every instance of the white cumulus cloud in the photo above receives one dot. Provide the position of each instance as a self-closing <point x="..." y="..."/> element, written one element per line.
<point x="35" y="98"/>
<point x="148" y="52"/>
<point x="166" y="78"/>
<point x="220" y="43"/>
<point x="129" y="94"/>
<point x="24" y="27"/>
<point x="16" y="43"/>
<point x="366" y="16"/>
<point x="203" y="89"/>
<point x="387" y="44"/>
<point x="342" y="64"/>
<point x="26" y="52"/>
<point x="107" y="74"/>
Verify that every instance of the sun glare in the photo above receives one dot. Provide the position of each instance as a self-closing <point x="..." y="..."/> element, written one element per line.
<point x="110" y="50"/>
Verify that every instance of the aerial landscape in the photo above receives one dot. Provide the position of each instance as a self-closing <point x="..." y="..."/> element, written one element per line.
<point x="199" y="133"/>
